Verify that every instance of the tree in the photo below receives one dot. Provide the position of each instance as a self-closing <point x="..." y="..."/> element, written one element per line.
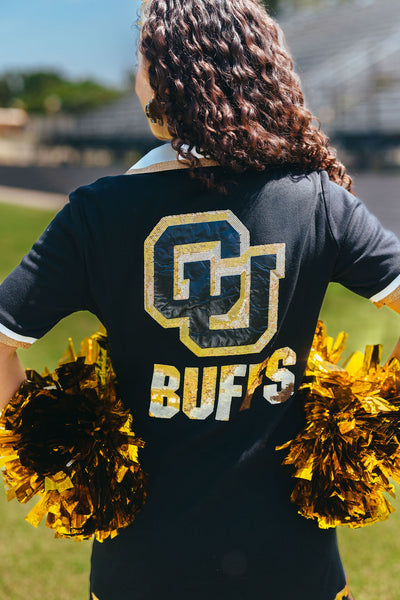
<point x="50" y="92"/>
<point x="272" y="6"/>
<point x="5" y="93"/>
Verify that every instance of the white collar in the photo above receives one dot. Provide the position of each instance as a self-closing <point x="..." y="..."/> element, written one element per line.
<point x="165" y="158"/>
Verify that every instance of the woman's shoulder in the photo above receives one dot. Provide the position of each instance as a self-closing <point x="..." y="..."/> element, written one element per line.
<point x="286" y="183"/>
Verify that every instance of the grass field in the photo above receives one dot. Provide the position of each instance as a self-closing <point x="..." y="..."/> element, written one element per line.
<point x="34" y="566"/>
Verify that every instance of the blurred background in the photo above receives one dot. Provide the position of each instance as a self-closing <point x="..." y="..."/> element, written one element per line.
<point x="67" y="73"/>
<point x="68" y="115"/>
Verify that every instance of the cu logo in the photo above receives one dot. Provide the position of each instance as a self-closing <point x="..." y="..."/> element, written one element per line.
<point x="203" y="277"/>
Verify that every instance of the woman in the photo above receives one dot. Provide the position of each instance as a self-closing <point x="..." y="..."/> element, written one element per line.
<point x="232" y="231"/>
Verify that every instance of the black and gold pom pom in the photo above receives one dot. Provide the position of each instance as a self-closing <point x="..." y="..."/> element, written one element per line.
<point x="349" y="450"/>
<point x="67" y="438"/>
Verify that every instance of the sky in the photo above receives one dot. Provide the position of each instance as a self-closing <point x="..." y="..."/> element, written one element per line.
<point x="81" y="38"/>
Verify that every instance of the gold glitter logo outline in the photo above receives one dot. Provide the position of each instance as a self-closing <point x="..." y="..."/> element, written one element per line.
<point x="238" y="315"/>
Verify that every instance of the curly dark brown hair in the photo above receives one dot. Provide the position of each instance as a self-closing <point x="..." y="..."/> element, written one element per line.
<point x="224" y="80"/>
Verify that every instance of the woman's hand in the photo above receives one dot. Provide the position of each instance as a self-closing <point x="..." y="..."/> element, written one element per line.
<point x="12" y="374"/>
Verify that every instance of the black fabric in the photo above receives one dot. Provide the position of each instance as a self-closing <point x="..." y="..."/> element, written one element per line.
<point x="218" y="522"/>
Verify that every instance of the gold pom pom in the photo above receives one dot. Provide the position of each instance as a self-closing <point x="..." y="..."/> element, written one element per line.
<point x="67" y="438"/>
<point x="349" y="449"/>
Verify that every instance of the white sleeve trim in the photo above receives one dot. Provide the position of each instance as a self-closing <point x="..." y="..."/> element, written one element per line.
<point x="16" y="336"/>
<point x="387" y="291"/>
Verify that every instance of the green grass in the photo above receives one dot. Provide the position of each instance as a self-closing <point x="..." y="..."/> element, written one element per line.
<point x="19" y="228"/>
<point x="371" y="558"/>
<point x="34" y="566"/>
<point x="344" y="311"/>
<point x="371" y="555"/>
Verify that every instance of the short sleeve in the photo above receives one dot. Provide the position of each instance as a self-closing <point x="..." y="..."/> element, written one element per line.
<point x="368" y="259"/>
<point x="49" y="283"/>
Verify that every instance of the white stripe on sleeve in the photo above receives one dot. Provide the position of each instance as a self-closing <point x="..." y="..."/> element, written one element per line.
<point x="389" y="289"/>
<point x="16" y="336"/>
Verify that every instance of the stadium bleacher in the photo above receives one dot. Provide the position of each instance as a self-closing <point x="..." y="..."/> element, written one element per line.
<point x="347" y="55"/>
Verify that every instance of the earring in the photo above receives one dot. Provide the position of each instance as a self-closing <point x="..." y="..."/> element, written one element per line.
<point x="150" y="116"/>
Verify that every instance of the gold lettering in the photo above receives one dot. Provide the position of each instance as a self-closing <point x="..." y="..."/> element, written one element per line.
<point x="165" y="403"/>
<point x="228" y="389"/>
<point x="190" y="391"/>
<point x="256" y="374"/>
<point x="283" y="376"/>
<point x="198" y="401"/>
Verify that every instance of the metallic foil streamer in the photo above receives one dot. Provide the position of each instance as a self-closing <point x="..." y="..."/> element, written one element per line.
<point x="345" y="594"/>
<point x="349" y="451"/>
<point x="66" y="438"/>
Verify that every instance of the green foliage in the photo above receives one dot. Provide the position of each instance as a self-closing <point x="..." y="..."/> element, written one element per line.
<point x="5" y="93"/>
<point x="50" y="92"/>
<point x="271" y="6"/>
